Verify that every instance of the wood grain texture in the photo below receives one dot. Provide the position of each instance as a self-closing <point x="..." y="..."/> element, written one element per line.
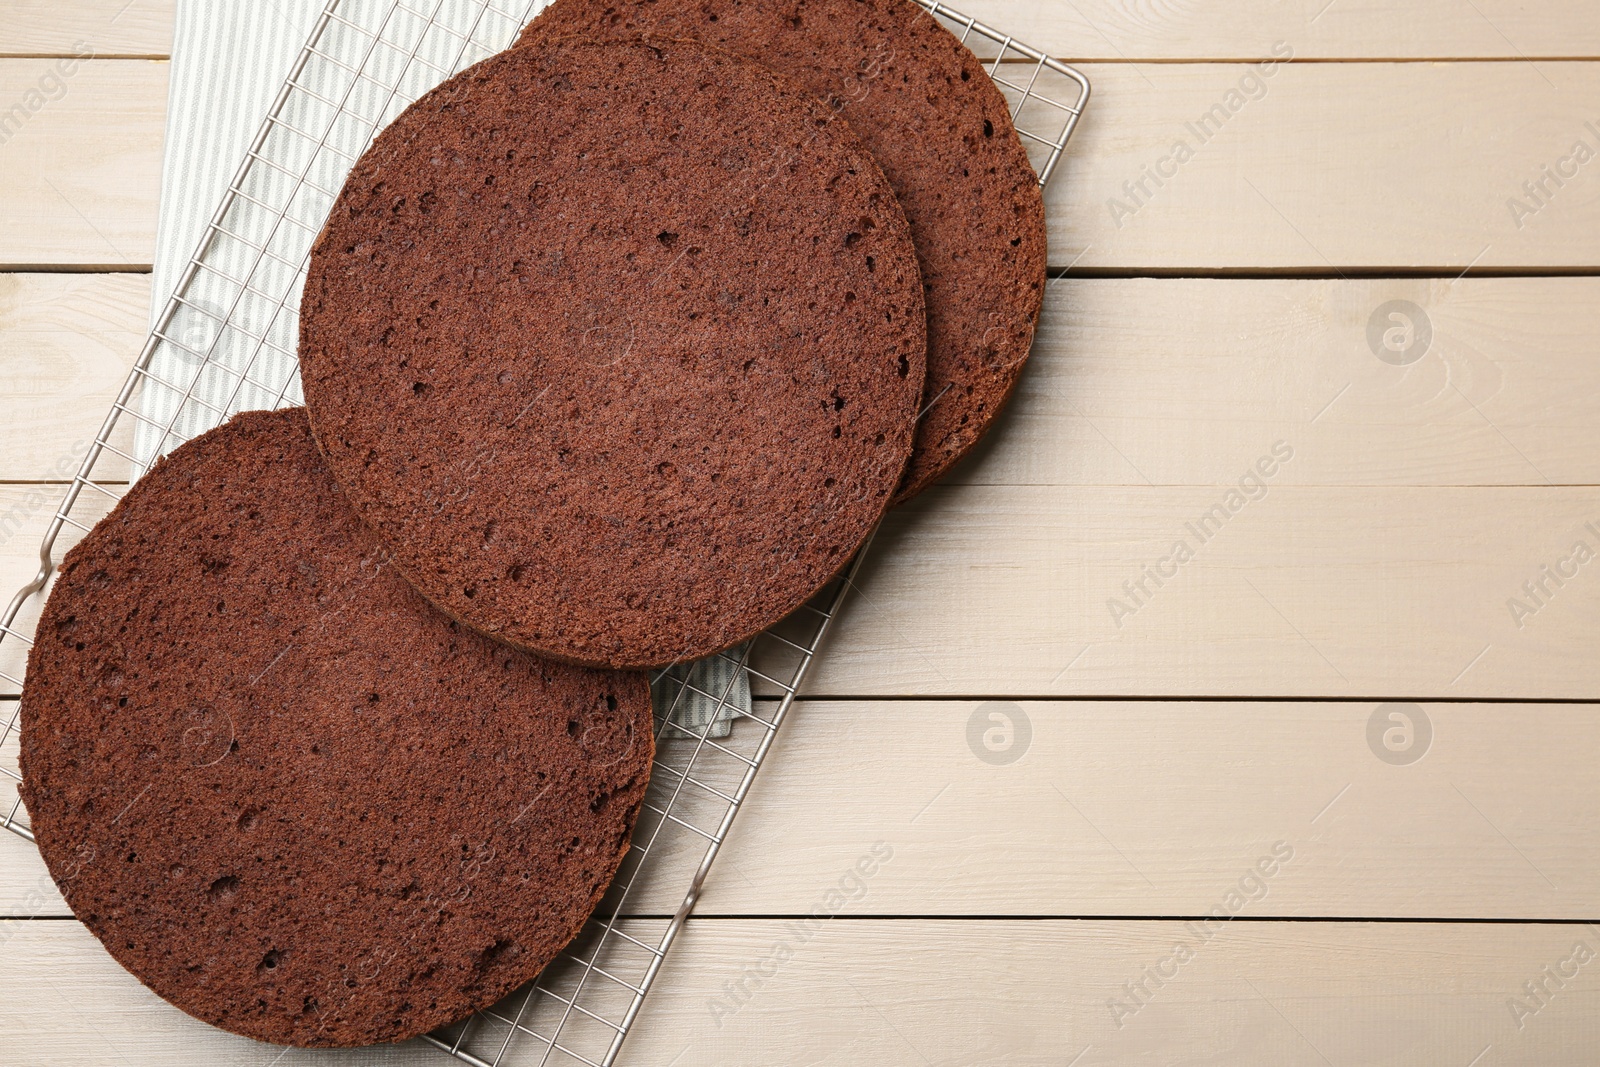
<point x="1132" y="30"/>
<point x="1036" y="994"/>
<point x="1132" y="381"/>
<point x="67" y="342"/>
<point x="1255" y="589"/>
<point x="1161" y="808"/>
<point x="1171" y="382"/>
<point x="1373" y="592"/>
<point x="68" y="27"/>
<point x="1109" y="30"/>
<point x="1330" y="167"/>
<point x="80" y="161"/>
<point x="1265" y="193"/>
<point x="1369" y="592"/>
<point x="949" y="992"/>
<point x="1145" y="808"/>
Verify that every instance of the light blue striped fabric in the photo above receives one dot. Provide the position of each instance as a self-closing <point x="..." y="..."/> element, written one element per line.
<point x="228" y="59"/>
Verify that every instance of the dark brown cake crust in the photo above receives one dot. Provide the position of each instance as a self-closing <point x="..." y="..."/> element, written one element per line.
<point x="618" y="347"/>
<point x="941" y="130"/>
<point x="282" y="790"/>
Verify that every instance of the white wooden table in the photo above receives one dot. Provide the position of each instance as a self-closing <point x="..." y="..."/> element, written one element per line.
<point x="1193" y="744"/>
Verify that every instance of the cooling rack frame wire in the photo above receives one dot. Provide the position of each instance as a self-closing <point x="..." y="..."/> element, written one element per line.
<point x="582" y="1007"/>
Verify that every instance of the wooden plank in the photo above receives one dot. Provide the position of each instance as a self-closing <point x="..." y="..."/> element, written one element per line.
<point x="1161" y="808"/>
<point x="1288" y="184"/>
<point x="1330" y="167"/>
<point x="1133" y="381"/>
<point x="1113" y="30"/>
<point x="1502" y="401"/>
<point x="70" y="27"/>
<point x="66" y="344"/>
<point x="920" y="992"/>
<point x="1180" y="381"/>
<point x="1145" y="808"/>
<point x="82" y="169"/>
<point x="1372" y="592"/>
<point x="1037" y="993"/>
<point x="1107" y="30"/>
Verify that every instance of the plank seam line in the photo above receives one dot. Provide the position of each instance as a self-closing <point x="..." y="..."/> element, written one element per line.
<point x="934" y="698"/>
<point x="97" y="58"/>
<point x="76" y="268"/>
<point x="1180" y="61"/>
<point x="1348" y="273"/>
<point x="1384" y="920"/>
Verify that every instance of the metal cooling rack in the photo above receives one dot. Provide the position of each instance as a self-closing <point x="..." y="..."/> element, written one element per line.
<point x="225" y="342"/>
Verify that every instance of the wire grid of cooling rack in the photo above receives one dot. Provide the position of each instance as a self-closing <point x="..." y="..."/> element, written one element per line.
<point x="1047" y="96"/>
<point x="225" y="342"/>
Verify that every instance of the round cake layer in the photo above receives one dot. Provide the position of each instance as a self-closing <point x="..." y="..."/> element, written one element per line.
<point x="942" y="131"/>
<point x="618" y="347"/>
<point x="281" y="789"/>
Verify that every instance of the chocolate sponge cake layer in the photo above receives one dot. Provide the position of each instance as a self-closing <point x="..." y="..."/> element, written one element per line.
<point x="618" y="347"/>
<point x="941" y="130"/>
<point x="285" y="792"/>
